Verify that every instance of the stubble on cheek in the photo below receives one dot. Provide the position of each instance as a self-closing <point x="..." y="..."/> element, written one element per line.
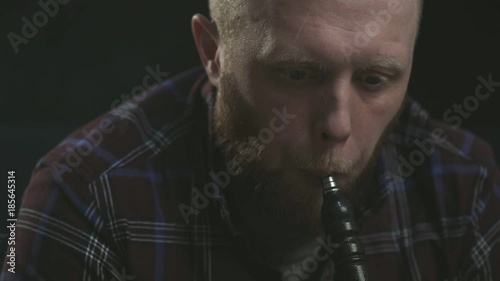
<point x="235" y="127"/>
<point x="280" y="197"/>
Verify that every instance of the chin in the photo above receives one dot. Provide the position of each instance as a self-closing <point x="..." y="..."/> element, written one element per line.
<point x="293" y="200"/>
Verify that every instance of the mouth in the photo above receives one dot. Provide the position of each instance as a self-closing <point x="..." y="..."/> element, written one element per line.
<point x="316" y="176"/>
<point x="322" y="174"/>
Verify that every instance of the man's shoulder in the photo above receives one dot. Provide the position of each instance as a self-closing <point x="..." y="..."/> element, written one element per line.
<point x="115" y="184"/>
<point x="419" y="133"/>
<point x="450" y="166"/>
<point x="141" y="129"/>
<point x="461" y="144"/>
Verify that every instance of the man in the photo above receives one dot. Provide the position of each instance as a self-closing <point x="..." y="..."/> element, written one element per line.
<point x="217" y="174"/>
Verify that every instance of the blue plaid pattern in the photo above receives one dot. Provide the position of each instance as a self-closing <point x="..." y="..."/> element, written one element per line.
<point x="105" y="203"/>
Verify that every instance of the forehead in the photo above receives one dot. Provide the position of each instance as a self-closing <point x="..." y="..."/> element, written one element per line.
<point x="371" y="26"/>
<point x="358" y="11"/>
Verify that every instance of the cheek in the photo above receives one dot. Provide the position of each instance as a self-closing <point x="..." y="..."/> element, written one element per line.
<point x="285" y="119"/>
<point x="374" y="119"/>
<point x="276" y="109"/>
<point x="288" y="127"/>
<point x="368" y="131"/>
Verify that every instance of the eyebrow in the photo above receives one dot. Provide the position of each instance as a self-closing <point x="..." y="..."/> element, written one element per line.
<point x="289" y="56"/>
<point x="386" y="62"/>
<point x="298" y="56"/>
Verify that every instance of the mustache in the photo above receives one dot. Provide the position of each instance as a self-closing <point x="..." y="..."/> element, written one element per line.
<point x="332" y="161"/>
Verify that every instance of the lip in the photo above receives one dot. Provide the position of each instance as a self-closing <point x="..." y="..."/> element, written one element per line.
<point x="317" y="177"/>
<point x="321" y="174"/>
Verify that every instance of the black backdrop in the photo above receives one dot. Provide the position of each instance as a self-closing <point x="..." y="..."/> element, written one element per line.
<point x="90" y="53"/>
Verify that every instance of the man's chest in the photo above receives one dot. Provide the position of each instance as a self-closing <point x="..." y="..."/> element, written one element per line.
<point x="423" y="261"/>
<point x="227" y="266"/>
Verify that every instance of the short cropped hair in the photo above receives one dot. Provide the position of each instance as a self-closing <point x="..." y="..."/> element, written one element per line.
<point x="227" y="15"/>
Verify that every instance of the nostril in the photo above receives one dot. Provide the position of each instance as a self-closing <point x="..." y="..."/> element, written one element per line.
<point x="324" y="136"/>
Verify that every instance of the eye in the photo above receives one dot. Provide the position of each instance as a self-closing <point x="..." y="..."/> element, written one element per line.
<point x="299" y="74"/>
<point x="374" y="82"/>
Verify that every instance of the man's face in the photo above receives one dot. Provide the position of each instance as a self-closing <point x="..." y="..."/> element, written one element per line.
<point x="339" y="68"/>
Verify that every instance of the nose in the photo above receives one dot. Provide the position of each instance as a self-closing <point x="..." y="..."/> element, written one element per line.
<point x="334" y="125"/>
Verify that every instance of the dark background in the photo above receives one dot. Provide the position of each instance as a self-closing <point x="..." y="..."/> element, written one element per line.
<point x="90" y="53"/>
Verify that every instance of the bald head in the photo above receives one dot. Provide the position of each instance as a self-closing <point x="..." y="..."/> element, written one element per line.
<point x="232" y="15"/>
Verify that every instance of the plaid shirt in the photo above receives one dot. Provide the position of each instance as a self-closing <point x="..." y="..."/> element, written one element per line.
<point x="122" y="199"/>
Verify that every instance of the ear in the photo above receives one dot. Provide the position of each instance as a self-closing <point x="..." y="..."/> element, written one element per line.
<point x="206" y="37"/>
